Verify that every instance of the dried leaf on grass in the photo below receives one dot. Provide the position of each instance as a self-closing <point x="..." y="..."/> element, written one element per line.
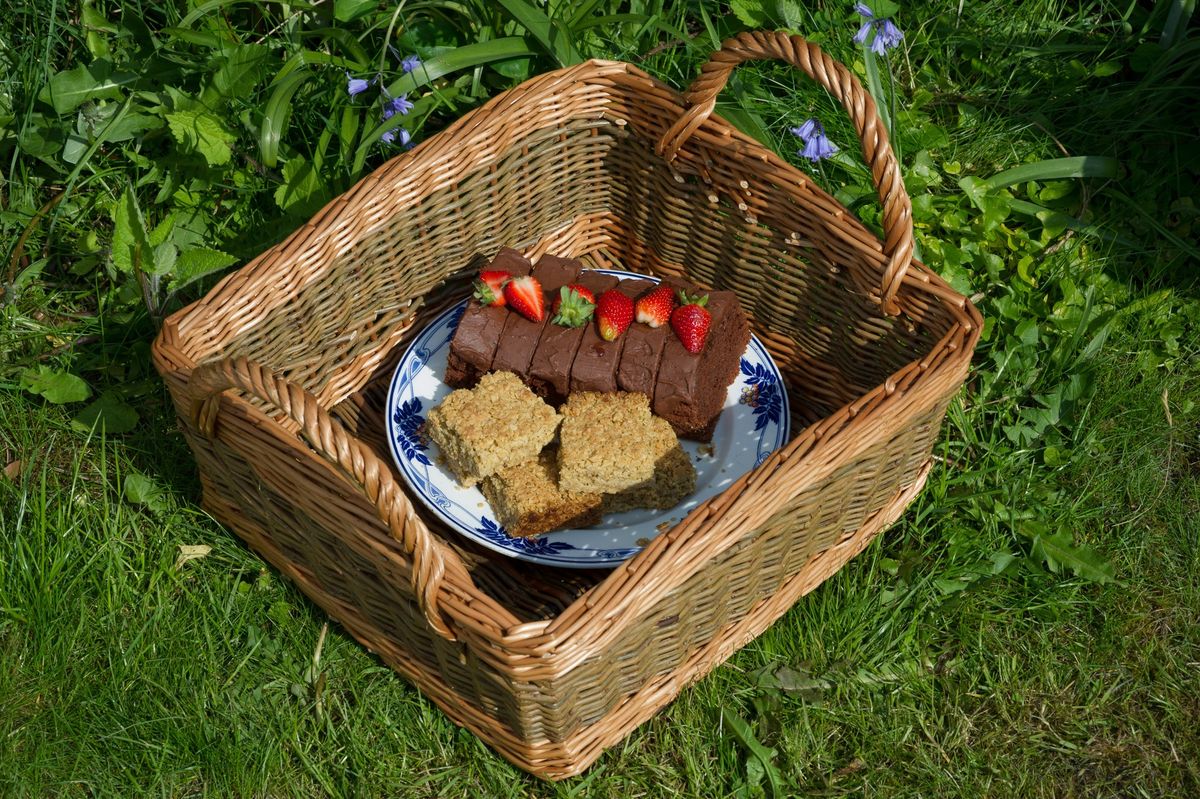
<point x="191" y="552"/>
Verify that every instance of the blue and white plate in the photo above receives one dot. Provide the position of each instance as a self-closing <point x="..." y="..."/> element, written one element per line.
<point x="753" y="425"/>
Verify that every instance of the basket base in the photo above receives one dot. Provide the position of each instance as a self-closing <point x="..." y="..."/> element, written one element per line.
<point x="568" y="758"/>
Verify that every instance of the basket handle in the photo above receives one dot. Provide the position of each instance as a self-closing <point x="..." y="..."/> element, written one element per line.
<point x="701" y="97"/>
<point x="328" y="437"/>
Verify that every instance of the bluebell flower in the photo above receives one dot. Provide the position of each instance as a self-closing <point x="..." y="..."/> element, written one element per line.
<point x="887" y="35"/>
<point x="806" y="130"/>
<point x="409" y="64"/>
<point x="396" y="105"/>
<point x="817" y="145"/>
<point x="355" y="85"/>
<point x="390" y="136"/>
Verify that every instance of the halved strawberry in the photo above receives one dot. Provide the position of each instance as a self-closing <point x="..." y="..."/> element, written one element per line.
<point x="655" y="308"/>
<point x="489" y="287"/>
<point x="690" y="322"/>
<point x="573" y="306"/>
<point x="614" y="313"/>
<point x="524" y="295"/>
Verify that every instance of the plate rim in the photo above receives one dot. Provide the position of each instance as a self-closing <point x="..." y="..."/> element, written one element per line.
<point x="598" y="559"/>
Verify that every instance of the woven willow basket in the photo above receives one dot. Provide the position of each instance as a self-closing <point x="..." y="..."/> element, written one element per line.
<point x="279" y="376"/>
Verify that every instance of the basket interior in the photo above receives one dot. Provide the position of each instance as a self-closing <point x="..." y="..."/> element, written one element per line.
<point x="572" y="172"/>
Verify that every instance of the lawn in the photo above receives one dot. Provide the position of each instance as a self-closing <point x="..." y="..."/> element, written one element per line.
<point x="1031" y="625"/>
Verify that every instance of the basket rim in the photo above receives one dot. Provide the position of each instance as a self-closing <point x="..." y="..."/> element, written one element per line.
<point x="563" y="641"/>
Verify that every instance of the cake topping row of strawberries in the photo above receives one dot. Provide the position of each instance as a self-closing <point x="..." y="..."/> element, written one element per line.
<point x="573" y="306"/>
<point x="614" y="311"/>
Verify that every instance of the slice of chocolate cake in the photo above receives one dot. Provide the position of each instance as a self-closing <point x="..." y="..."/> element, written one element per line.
<point x="596" y="360"/>
<point x="690" y="389"/>
<point x="519" y="337"/>
<point x="474" y="344"/>
<point x="550" y="369"/>
<point x="638" y="369"/>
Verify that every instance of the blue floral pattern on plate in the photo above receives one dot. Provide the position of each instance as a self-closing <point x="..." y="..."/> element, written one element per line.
<point x="753" y="425"/>
<point x="407" y="421"/>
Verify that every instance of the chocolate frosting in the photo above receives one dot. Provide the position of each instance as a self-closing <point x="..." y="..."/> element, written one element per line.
<point x="480" y="326"/>
<point x="640" y="358"/>
<point x="519" y="337"/>
<point x="596" y="361"/>
<point x="688" y="391"/>
<point x="550" y="370"/>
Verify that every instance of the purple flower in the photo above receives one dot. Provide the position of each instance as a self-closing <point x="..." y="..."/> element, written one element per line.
<point x="806" y="130"/>
<point x="396" y="105"/>
<point x="401" y="133"/>
<point x="887" y="35"/>
<point x="409" y="64"/>
<point x="355" y="85"/>
<point x="817" y="145"/>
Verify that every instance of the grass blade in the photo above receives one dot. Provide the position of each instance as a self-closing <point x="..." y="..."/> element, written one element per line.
<point x="465" y="57"/>
<point x="1045" y="214"/>
<point x="548" y="33"/>
<point x="472" y="55"/>
<point x="875" y="87"/>
<point x="1175" y="28"/>
<point x="1087" y="166"/>
<point x="275" y="119"/>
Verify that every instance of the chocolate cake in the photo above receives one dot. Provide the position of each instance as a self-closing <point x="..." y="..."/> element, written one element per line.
<point x="688" y="390"/>
<point x="479" y="329"/>
<point x="520" y="336"/>
<point x="595" y="366"/>
<point x="550" y="370"/>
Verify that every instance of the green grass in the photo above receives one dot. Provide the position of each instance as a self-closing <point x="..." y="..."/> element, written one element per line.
<point x="126" y="675"/>
<point x="1030" y="627"/>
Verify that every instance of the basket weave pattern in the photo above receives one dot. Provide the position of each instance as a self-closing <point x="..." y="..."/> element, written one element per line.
<point x="277" y="376"/>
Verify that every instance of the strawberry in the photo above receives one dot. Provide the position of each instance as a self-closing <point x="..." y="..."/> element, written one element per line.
<point x="614" y="313"/>
<point x="690" y="322"/>
<point x="524" y="295"/>
<point x="655" y="308"/>
<point x="489" y="287"/>
<point x="573" y="306"/>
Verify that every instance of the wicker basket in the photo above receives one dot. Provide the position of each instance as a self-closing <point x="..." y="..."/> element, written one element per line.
<point x="604" y="163"/>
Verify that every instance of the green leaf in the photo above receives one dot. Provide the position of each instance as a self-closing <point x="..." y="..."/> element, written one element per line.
<point x="548" y="33"/>
<point x="130" y="244"/>
<point x="55" y="386"/>
<point x="789" y="14"/>
<point x="131" y="126"/>
<point x="302" y="190"/>
<point x="1088" y="166"/>
<point x="741" y="731"/>
<point x="108" y="413"/>
<point x="200" y="131"/>
<point x="198" y="262"/>
<point x="142" y="490"/>
<point x="883" y="8"/>
<point x="66" y="91"/>
<point x="245" y="65"/>
<point x="1059" y="549"/>
<point x="278" y="111"/>
<point x="350" y="10"/>
<point x="162" y="231"/>
<point x="750" y="13"/>
<point x="164" y="259"/>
